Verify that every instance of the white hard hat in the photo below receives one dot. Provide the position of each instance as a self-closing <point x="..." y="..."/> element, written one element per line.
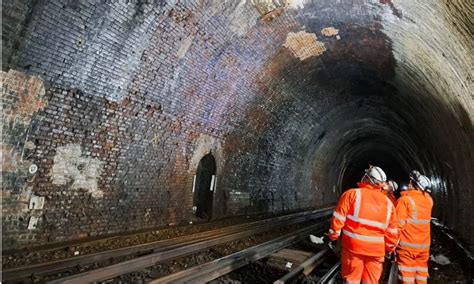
<point x="393" y="185"/>
<point x="415" y="174"/>
<point x="421" y="181"/>
<point x="376" y="175"/>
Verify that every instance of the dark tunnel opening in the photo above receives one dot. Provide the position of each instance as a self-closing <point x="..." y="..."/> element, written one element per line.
<point x="387" y="161"/>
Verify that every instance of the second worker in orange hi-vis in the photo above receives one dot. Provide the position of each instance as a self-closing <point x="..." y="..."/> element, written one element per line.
<point x="367" y="221"/>
<point x="414" y="216"/>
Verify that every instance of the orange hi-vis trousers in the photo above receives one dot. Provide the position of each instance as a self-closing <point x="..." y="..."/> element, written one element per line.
<point x="412" y="266"/>
<point x="357" y="268"/>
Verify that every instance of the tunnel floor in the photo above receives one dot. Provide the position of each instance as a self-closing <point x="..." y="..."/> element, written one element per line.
<point x="459" y="270"/>
<point x="448" y="264"/>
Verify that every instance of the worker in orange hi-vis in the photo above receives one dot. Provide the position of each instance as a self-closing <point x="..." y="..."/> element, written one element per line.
<point x="403" y="192"/>
<point x="367" y="221"/>
<point x="389" y="189"/>
<point x="414" y="217"/>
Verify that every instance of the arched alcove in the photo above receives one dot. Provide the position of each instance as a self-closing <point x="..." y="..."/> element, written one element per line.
<point x="204" y="186"/>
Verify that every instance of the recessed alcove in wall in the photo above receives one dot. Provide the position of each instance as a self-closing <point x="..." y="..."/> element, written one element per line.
<point x="204" y="187"/>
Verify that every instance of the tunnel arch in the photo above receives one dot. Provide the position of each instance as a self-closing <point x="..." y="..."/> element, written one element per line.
<point x="213" y="76"/>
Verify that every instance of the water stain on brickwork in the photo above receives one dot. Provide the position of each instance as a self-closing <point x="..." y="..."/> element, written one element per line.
<point x="22" y="95"/>
<point x="73" y="169"/>
<point x="9" y="158"/>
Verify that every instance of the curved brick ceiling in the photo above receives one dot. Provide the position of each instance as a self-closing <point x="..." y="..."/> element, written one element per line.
<point x="293" y="108"/>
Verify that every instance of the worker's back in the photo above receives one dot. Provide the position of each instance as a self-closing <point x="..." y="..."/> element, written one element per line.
<point x="414" y="216"/>
<point x="367" y="220"/>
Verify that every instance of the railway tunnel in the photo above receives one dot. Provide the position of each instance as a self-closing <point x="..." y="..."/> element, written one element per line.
<point x="113" y="110"/>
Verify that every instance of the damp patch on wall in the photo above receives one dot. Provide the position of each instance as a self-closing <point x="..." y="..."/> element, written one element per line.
<point x="304" y="45"/>
<point x="22" y="95"/>
<point x="76" y="171"/>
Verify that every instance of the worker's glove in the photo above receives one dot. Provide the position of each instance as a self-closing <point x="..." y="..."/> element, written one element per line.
<point x="323" y="241"/>
<point x="332" y="244"/>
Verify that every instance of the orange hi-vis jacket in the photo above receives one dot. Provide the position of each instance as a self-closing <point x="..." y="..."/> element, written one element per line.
<point x="367" y="220"/>
<point x="403" y="193"/>
<point x="414" y="217"/>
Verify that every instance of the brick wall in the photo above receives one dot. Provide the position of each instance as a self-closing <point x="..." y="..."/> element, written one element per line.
<point x="117" y="146"/>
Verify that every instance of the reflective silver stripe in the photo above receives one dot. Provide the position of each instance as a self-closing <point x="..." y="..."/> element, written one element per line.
<point x="412" y="221"/>
<point x="339" y="216"/>
<point x="406" y="268"/>
<point x="406" y="279"/>
<point x="357" y="203"/>
<point x="389" y="211"/>
<point x="392" y="230"/>
<point x="413" y="205"/>
<point x="421" y="278"/>
<point x="331" y="231"/>
<point x="366" y="222"/>
<point x="352" y="281"/>
<point x="421" y="269"/>
<point x="402" y="222"/>
<point x="411" y="245"/>
<point x="363" y="238"/>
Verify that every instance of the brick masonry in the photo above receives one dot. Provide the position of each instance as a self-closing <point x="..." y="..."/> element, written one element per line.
<point x="115" y="103"/>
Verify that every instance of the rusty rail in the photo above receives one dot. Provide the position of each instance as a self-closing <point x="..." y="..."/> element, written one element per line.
<point x="169" y="249"/>
<point x="216" y="268"/>
<point x="65" y="264"/>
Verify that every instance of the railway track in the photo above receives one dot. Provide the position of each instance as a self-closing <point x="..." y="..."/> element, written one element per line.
<point x="219" y="267"/>
<point x="135" y="258"/>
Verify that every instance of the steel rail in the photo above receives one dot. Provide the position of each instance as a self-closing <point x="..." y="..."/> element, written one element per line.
<point x="330" y="275"/>
<point x="161" y="254"/>
<point x="64" y="264"/>
<point x="216" y="268"/>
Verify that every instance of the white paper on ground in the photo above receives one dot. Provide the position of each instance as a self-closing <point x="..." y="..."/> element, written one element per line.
<point x="440" y="259"/>
<point x="316" y="240"/>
